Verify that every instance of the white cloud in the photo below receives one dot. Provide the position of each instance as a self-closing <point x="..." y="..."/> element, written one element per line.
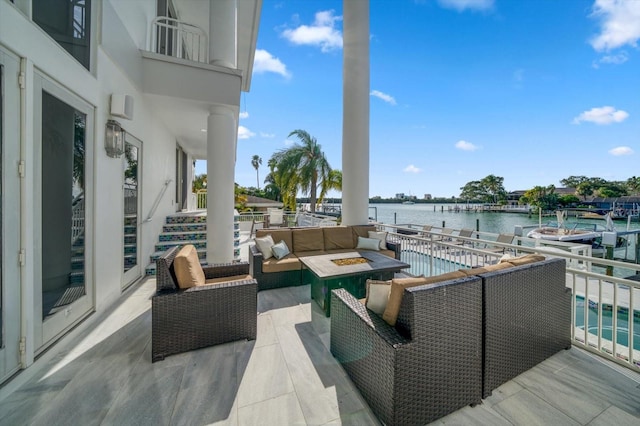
<point x="461" y="5"/>
<point x="602" y="115"/>
<point x="288" y="142"/>
<point x="466" y="146"/>
<point x="621" y="150"/>
<point x="244" y="114"/>
<point x="387" y="98"/>
<point x="617" y="59"/>
<point x="267" y="135"/>
<point x="619" y="24"/>
<point x="411" y="169"/>
<point x="244" y="133"/>
<point x="265" y="62"/>
<point x="322" y="32"/>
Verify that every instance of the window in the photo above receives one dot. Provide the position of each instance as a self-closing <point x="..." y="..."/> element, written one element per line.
<point x="68" y="22"/>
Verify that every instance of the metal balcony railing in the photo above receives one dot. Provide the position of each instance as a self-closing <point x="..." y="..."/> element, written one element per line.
<point x="179" y="39"/>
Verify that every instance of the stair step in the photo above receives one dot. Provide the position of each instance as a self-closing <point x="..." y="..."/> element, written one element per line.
<point x="199" y="218"/>
<point x="151" y="267"/>
<point x="202" y="254"/>
<point x="182" y="236"/>
<point x="165" y="245"/>
<point x="184" y="227"/>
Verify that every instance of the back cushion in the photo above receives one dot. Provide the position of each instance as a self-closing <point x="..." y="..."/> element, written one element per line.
<point x="523" y="260"/>
<point x="488" y="268"/>
<point x="337" y="237"/>
<point x="186" y="266"/>
<point x="361" y="231"/>
<point x="398" y="285"/>
<point x="277" y="235"/>
<point x="307" y="239"/>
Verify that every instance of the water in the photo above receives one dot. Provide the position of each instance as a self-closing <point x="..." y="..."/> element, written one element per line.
<point x="424" y="214"/>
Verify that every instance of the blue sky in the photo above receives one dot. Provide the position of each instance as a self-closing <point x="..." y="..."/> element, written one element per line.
<point x="530" y="90"/>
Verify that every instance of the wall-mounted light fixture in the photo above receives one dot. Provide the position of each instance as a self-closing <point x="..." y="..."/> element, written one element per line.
<point x="114" y="139"/>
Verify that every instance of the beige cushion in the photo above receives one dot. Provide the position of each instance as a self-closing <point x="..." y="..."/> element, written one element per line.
<point x="368" y="244"/>
<point x="337" y="237"/>
<point x="228" y="279"/>
<point x="264" y="244"/>
<point x="187" y="268"/>
<point x="398" y="285"/>
<point x="389" y="253"/>
<point x="361" y="231"/>
<point x="523" y="260"/>
<point x="287" y="263"/>
<point x="277" y="235"/>
<point x="377" y="295"/>
<point x="382" y="236"/>
<point x="307" y="239"/>
<point x="488" y="268"/>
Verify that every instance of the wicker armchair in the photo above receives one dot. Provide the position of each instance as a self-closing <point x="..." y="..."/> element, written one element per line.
<point x="428" y="365"/>
<point x="183" y="320"/>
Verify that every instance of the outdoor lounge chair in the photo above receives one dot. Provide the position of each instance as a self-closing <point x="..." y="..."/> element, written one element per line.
<point x="224" y="309"/>
<point x="466" y="233"/>
<point x="276" y="218"/>
<point x="502" y="238"/>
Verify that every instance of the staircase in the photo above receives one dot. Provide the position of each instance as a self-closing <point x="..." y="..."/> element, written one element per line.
<point x="130" y="241"/>
<point x="187" y="228"/>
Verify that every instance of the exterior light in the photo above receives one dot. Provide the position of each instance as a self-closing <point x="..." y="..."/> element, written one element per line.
<point x="114" y="139"/>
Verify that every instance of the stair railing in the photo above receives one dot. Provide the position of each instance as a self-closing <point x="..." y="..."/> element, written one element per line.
<point x="178" y="39"/>
<point x="157" y="202"/>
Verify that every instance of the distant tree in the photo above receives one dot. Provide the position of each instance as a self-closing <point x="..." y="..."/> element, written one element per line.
<point x="613" y="189"/>
<point x="200" y="182"/>
<point x="333" y="181"/>
<point x="573" y="181"/>
<point x="489" y="189"/>
<point x="568" y="200"/>
<point x="255" y="162"/>
<point x="633" y="183"/>
<point x="544" y="198"/>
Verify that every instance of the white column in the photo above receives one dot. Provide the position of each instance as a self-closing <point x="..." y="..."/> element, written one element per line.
<point x="221" y="159"/>
<point x="223" y="41"/>
<point x="355" y="115"/>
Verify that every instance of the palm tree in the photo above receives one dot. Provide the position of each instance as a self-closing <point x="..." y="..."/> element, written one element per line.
<point x="333" y="181"/>
<point x="255" y="162"/>
<point x="301" y="167"/>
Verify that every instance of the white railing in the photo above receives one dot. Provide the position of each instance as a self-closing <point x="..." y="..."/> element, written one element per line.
<point x="605" y="309"/>
<point x="77" y="219"/>
<point x="178" y="39"/>
<point x="315" y="219"/>
<point x="201" y="199"/>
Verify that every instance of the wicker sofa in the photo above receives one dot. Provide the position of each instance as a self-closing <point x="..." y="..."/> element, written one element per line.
<point x="275" y="273"/>
<point x="223" y="310"/>
<point x="454" y="341"/>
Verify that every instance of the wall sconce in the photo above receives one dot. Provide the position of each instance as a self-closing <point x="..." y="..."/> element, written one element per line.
<point x="114" y="139"/>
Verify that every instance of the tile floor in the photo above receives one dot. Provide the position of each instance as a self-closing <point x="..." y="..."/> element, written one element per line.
<point x="101" y="374"/>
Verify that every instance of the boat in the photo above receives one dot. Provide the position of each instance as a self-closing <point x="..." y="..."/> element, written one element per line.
<point x="408" y="202"/>
<point x="578" y="232"/>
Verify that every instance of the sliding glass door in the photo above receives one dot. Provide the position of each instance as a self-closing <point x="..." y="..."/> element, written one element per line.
<point x="132" y="169"/>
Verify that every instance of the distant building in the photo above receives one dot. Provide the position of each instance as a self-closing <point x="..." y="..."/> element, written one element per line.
<point x="428" y="197"/>
<point x="400" y="196"/>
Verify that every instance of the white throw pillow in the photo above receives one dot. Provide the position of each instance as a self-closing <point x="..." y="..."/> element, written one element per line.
<point x="280" y="250"/>
<point x="368" y="244"/>
<point x="382" y="236"/>
<point x="264" y="244"/>
<point x="378" y="295"/>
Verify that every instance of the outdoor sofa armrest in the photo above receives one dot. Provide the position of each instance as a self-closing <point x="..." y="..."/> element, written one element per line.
<point x="255" y="261"/>
<point x="395" y="246"/>
<point x="225" y="269"/>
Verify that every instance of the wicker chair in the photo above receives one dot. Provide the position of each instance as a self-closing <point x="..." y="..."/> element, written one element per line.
<point x="183" y="320"/>
<point x="428" y="365"/>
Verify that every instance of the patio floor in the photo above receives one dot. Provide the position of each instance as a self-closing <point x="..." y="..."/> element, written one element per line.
<point x="102" y="374"/>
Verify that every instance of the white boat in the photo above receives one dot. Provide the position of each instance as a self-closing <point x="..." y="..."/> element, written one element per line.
<point x="585" y="233"/>
<point x="408" y="202"/>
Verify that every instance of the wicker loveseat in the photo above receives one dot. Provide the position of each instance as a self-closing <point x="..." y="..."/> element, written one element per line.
<point x="275" y="273"/>
<point x="221" y="311"/>
<point x="454" y="341"/>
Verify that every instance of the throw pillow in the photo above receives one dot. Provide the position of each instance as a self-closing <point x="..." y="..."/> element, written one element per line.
<point x="378" y="295"/>
<point x="186" y="266"/>
<point x="264" y="244"/>
<point x="382" y="236"/>
<point x="280" y="250"/>
<point x="368" y="244"/>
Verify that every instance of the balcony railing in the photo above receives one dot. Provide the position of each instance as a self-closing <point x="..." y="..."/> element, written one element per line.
<point x="605" y="308"/>
<point x="179" y="39"/>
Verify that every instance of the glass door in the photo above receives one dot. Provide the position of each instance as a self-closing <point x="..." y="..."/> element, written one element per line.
<point x="131" y="166"/>
<point x="63" y="157"/>
<point x="10" y="307"/>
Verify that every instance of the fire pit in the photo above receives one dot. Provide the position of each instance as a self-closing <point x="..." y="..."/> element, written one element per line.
<point x="350" y="261"/>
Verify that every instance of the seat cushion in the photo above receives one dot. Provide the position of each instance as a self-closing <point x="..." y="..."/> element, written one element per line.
<point x="307" y="239"/>
<point x="277" y="235"/>
<point x="337" y="238"/>
<point x="398" y="285"/>
<point x="389" y="253"/>
<point x="287" y="263"/>
<point x="228" y="279"/>
<point x="187" y="268"/>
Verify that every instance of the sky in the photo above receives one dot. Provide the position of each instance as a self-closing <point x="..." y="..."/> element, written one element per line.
<point x="533" y="91"/>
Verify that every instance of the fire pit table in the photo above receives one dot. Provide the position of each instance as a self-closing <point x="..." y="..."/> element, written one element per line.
<point x="346" y="270"/>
